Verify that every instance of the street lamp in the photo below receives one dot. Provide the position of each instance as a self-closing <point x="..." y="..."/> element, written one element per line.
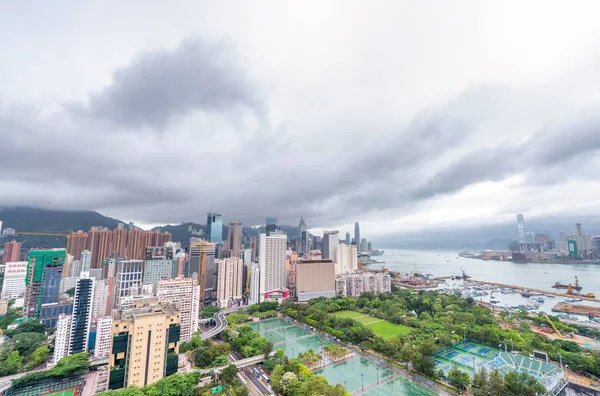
<point x="362" y="376"/>
<point x="377" y="374"/>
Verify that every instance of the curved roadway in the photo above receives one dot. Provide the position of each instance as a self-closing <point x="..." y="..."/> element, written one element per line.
<point x="221" y="322"/>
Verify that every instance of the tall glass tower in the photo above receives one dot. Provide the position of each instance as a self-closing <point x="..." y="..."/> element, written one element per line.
<point x="214" y="227"/>
<point x="521" y="228"/>
<point x="357" y="235"/>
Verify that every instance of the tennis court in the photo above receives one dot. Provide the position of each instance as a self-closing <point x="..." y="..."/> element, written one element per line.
<point x="547" y="373"/>
<point x="266" y="325"/>
<point x="400" y="386"/>
<point x="354" y="373"/>
<point x="279" y="332"/>
<point x="469" y="356"/>
<point x="69" y="392"/>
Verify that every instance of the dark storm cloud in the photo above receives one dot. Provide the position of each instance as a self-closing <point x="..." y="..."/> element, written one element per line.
<point x="158" y="86"/>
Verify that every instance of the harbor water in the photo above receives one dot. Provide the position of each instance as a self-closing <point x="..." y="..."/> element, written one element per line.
<point x="528" y="275"/>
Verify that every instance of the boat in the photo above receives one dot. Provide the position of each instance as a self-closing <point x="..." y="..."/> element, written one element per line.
<point x="540" y="299"/>
<point x="550" y="295"/>
<point x="573" y="300"/>
<point x="447" y="261"/>
<point x="577" y="285"/>
<point x="376" y="252"/>
<point x="526" y="294"/>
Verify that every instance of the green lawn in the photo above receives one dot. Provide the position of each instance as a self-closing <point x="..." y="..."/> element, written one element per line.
<point x="381" y="327"/>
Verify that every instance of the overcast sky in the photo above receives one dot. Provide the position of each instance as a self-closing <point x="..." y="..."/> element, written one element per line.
<point x="405" y="116"/>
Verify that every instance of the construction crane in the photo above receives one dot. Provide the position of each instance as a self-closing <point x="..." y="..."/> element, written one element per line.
<point x="554" y="327"/>
<point x="68" y="236"/>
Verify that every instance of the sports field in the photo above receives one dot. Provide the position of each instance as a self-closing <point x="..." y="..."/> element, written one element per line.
<point x="381" y="327"/>
<point x="68" y="392"/>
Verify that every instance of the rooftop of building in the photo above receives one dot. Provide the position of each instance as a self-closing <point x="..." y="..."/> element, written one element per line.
<point x="147" y="307"/>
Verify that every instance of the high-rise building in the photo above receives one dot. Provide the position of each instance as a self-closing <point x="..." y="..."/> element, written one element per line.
<point x="12" y="252"/>
<point x="100" y="302"/>
<point x="272" y="262"/>
<point x="229" y="281"/>
<point x="157" y="269"/>
<point x="119" y="242"/>
<point x="98" y="243"/>
<point x="302" y="236"/>
<point x="369" y="246"/>
<point x="204" y="269"/>
<point x="363" y="245"/>
<point x="103" y="337"/>
<point x="247" y="257"/>
<point x="234" y="239"/>
<point x="62" y="336"/>
<point x="186" y="294"/>
<point x="330" y="244"/>
<point x="135" y="244"/>
<point x="43" y="280"/>
<point x="253" y="247"/>
<point x="128" y="280"/>
<point x="145" y="344"/>
<point x="347" y="238"/>
<point x="357" y="234"/>
<point x="214" y="227"/>
<point x="347" y="259"/>
<point x="315" y="278"/>
<point x="82" y="315"/>
<point x="254" y="280"/>
<point x="521" y="228"/>
<point x="13" y="285"/>
<point x="271" y="225"/>
<point x="77" y="243"/>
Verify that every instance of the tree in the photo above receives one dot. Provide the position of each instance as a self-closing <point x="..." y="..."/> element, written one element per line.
<point x="458" y="378"/>
<point x="12" y="364"/>
<point x="480" y="383"/>
<point x="219" y="361"/>
<point x="286" y="380"/>
<point x="27" y="343"/>
<point x="522" y="384"/>
<point x="496" y="383"/>
<point x="27" y="327"/>
<point x="209" y="311"/>
<point x="70" y="292"/>
<point x="267" y="349"/>
<point x="39" y="356"/>
<point x="229" y="373"/>
<point x="280" y="354"/>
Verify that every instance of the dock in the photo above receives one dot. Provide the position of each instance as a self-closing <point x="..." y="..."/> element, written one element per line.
<point x="576" y="308"/>
<point x="541" y="291"/>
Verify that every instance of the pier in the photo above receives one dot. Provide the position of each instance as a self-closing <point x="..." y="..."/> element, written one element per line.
<point x="541" y="291"/>
<point x="576" y="309"/>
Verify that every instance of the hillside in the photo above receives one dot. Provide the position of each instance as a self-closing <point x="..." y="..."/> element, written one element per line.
<point x="50" y="221"/>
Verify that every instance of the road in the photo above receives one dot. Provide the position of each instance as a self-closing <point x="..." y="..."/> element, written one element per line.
<point x="221" y="322"/>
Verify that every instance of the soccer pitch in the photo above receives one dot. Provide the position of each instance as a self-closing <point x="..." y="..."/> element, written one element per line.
<point x="381" y="327"/>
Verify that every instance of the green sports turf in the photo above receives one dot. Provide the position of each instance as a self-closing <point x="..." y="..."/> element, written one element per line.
<point x="69" y="392"/>
<point x="381" y="327"/>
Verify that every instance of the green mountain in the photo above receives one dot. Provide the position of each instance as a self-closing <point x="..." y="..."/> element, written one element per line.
<point x="24" y="219"/>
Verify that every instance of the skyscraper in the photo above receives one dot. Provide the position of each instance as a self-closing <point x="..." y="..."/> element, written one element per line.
<point x="119" y="242"/>
<point x="214" y="227"/>
<point x="271" y="225"/>
<point x="12" y="251"/>
<point x="135" y="244"/>
<point x="347" y="238"/>
<point x="103" y="337"/>
<point x="272" y="262"/>
<point x="98" y="243"/>
<point x="13" y="285"/>
<point x="234" y="239"/>
<point x="330" y="244"/>
<point x="62" y="335"/>
<point x="357" y="234"/>
<point x="203" y="269"/>
<point x="145" y="344"/>
<point x="254" y="280"/>
<point x="346" y="259"/>
<point x="521" y="228"/>
<point x="186" y="294"/>
<point x="82" y="314"/>
<point x="253" y="247"/>
<point x="128" y="280"/>
<point x="157" y="267"/>
<point x="363" y="245"/>
<point x="229" y="281"/>
<point x="77" y="243"/>
<point x="43" y="279"/>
